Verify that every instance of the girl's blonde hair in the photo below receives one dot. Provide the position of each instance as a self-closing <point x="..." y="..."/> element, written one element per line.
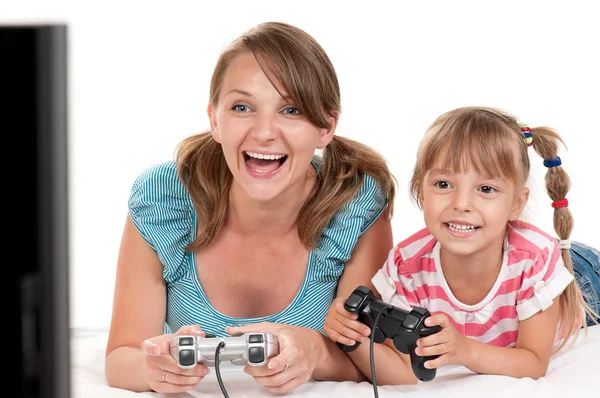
<point x="291" y="59"/>
<point x="491" y="141"/>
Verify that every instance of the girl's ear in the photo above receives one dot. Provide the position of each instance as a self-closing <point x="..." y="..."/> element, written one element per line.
<point x="327" y="134"/>
<point x="214" y="128"/>
<point x="519" y="203"/>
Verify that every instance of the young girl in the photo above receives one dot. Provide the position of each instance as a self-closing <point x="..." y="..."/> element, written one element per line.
<point x="502" y="290"/>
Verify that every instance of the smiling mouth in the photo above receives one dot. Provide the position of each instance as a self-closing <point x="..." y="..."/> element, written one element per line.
<point x="264" y="164"/>
<point x="461" y="227"/>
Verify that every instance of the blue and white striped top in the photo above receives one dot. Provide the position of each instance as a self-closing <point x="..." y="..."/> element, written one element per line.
<point x="162" y="211"/>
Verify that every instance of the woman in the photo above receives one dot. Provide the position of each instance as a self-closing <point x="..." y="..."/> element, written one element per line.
<point x="249" y="227"/>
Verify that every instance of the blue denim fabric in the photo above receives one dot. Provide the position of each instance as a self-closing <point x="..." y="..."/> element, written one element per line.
<point x="586" y="267"/>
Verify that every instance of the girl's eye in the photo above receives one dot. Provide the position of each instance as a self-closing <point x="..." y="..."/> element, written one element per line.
<point x="442" y="184"/>
<point x="291" y="111"/>
<point x="487" y="189"/>
<point x="240" y="108"/>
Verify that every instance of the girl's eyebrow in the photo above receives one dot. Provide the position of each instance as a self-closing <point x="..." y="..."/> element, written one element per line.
<point x="440" y="171"/>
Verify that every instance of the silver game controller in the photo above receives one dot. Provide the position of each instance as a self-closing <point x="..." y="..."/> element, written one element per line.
<point x="252" y="349"/>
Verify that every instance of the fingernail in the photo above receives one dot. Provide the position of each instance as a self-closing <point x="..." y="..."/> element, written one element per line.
<point x="155" y="350"/>
<point x="272" y="365"/>
<point x="354" y="316"/>
<point x="367" y="332"/>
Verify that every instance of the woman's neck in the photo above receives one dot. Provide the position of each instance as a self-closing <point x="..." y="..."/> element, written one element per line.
<point x="277" y="216"/>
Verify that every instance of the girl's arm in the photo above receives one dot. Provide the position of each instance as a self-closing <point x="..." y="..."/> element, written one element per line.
<point x="530" y="356"/>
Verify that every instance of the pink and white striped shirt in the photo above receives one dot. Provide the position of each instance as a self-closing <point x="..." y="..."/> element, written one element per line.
<point x="531" y="276"/>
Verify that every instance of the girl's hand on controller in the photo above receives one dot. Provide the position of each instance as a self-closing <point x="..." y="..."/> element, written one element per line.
<point x="162" y="371"/>
<point x="342" y="326"/>
<point x="294" y="364"/>
<point x="449" y="344"/>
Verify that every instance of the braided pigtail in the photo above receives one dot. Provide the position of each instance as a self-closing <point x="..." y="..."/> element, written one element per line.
<point x="545" y="142"/>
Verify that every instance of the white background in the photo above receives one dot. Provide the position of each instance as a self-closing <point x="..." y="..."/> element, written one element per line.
<point x="140" y="72"/>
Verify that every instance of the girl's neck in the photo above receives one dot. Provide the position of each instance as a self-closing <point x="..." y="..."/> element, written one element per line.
<point x="277" y="216"/>
<point x="476" y="267"/>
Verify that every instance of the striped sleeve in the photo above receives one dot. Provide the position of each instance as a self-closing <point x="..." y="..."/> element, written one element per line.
<point x="394" y="287"/>
<point x="543" y="281"/>
<point x="160" y="209"/>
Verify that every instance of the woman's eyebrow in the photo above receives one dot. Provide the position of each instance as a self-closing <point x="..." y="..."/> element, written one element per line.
<point x="238" y="91"/>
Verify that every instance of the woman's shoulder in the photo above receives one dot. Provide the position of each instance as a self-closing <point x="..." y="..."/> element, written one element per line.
<point x="162" y="211"/>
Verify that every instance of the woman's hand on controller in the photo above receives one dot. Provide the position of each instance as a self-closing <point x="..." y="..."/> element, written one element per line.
<point x="342" y="326"/>
<point x="449" y="344"/>
<point x="163" y="374"/>
<point x="294" y="364"/>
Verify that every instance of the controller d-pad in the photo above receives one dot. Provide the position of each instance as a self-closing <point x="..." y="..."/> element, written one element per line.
<point x="411" y="322"/>
<point x="255" y="338"/>
<point x="186" y="341"/>
<point x="256" y="354"/>
<point x="186" y="357"/>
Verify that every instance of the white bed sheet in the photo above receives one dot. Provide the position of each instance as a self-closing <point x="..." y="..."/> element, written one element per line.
<point x="574" y="373"/>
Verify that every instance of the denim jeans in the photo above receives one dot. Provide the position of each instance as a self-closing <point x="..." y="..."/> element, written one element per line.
<point x="586" y="267"/>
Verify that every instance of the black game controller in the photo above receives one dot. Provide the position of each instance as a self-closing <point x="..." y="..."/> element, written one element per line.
<point x="404" y="328"/>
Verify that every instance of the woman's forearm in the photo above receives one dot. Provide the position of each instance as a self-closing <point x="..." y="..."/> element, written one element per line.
<point x="514" y="362"/>
<point x="333" y="364"/>
<point x="124" y="369"/>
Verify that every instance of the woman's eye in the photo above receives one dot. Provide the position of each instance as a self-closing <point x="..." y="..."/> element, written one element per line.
<point x="487" y="189"/>
<point x="442" y="184"/>
<point x="240" y="108"/>
<point x="291" y="111"/>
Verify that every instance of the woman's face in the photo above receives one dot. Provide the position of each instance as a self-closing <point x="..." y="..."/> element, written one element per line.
<point x="268" y="144"/>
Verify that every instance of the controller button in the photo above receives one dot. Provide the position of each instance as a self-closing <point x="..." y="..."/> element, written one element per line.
<point x="411" y="322"/>
<point x="419" y="310"/>
<point x="256" y="354"/>
<point x="186" y="341"/>
<point x="255" y="338"/>
<point x="353" y="302"/>
<point x="210" y="336"/>
<point x="186" y="357"/>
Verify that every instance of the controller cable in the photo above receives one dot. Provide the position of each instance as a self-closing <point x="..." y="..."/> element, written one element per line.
<point x="371" y="346"/>
<point x="217" y="368"/>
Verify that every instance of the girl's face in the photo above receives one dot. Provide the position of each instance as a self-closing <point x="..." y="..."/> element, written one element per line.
<point x="268" y="144"/>
<point x="468" y="212"/>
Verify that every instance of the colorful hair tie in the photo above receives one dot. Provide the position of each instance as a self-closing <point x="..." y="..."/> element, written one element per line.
<point x="526" y="131"/>
<point x="560" y="203"/>
<point x="564" y="244"/>
<point x="552" y="162"/>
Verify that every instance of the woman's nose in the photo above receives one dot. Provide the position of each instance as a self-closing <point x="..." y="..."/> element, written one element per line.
<point x="265" y="129"/>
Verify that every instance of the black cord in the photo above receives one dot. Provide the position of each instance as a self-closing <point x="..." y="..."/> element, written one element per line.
<point x="371" y="355"/>
<point x="217" y="370"/>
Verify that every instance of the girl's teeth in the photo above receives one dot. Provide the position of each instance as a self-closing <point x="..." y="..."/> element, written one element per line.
<point x="462" y="228"/>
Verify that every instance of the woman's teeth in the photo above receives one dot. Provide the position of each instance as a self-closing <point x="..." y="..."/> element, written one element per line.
<point x="262" y="156"/>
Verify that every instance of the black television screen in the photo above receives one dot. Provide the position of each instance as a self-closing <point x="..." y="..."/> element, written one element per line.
<point x="33" y="120"/>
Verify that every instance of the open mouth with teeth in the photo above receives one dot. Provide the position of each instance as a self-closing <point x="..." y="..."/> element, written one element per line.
<point x="461" y="228"/>
<point x="264" y="163"/>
